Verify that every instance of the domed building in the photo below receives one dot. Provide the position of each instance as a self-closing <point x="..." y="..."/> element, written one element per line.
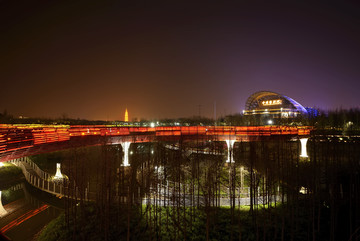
<point x="273" y="105"/>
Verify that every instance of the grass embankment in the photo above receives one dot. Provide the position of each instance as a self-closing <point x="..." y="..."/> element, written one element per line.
<point x="10" y="174"/>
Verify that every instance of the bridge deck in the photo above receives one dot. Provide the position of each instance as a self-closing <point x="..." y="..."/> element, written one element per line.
<point x="23" y="140"/>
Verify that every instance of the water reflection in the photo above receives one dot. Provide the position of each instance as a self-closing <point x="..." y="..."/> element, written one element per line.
<point x="25" y="211"/>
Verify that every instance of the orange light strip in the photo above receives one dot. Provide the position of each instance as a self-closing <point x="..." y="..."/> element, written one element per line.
<point x="13" y="137"/>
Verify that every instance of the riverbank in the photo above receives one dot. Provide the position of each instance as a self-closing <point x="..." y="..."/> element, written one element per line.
<point x="10" y="175"/>
<point x="26" y="211"/>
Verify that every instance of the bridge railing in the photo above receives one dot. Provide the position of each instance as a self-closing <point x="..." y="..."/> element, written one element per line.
<point x="43" y="180"/>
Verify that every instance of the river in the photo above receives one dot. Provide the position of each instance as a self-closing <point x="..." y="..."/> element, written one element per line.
<point x="24" y="211"/>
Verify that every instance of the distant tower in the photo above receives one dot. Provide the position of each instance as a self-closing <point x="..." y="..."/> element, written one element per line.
<point x="126" y="119"/>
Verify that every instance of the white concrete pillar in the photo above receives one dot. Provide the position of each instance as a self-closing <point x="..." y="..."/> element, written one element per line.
<point x="3" y="212"/>
<point x="230" y="146"/>
<point x="303" y="142"/>
<point x="58" y="174"/>
<point x="126" y="146"/>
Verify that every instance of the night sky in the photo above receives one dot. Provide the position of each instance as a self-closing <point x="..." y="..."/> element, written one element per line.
<point x="91" y="60"/>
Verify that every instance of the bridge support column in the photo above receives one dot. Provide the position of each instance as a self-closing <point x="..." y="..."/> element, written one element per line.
<point x="58" y="174"/>
<point x="303" y="149"/>
<point x="230" y="147"/>
<point x="126" y="146"/>
<point x="3" y="212"/>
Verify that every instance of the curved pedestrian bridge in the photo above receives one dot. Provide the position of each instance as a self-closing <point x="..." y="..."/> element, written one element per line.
<point x="24" y="140"/>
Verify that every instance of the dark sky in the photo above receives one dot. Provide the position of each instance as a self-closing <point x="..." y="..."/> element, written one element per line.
<point x="92" y="59"/>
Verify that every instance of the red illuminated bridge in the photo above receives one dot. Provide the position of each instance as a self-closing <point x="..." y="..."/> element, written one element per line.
<point x="25" y="140"/>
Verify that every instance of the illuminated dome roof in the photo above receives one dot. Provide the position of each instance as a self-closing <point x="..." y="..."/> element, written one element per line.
<point x="270" y="100"/>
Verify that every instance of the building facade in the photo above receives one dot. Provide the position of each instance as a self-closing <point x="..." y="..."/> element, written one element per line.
<point x="273" y="106"/>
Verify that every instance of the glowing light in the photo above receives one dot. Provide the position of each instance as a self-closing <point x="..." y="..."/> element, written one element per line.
<point x="350" y="123"/>
<point x="152" y="124"/>
<point x="303" y="190"/>
<point x="271" y="102"/>
<point x="1" y="165"/>
<point x="126" y="118"/>
<point x="284" y="114"/>
<point x="58" y="174"/>
<point x="270" y="122"/>
<point x="303" y="142"/>
<point x="126" y="147"/>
